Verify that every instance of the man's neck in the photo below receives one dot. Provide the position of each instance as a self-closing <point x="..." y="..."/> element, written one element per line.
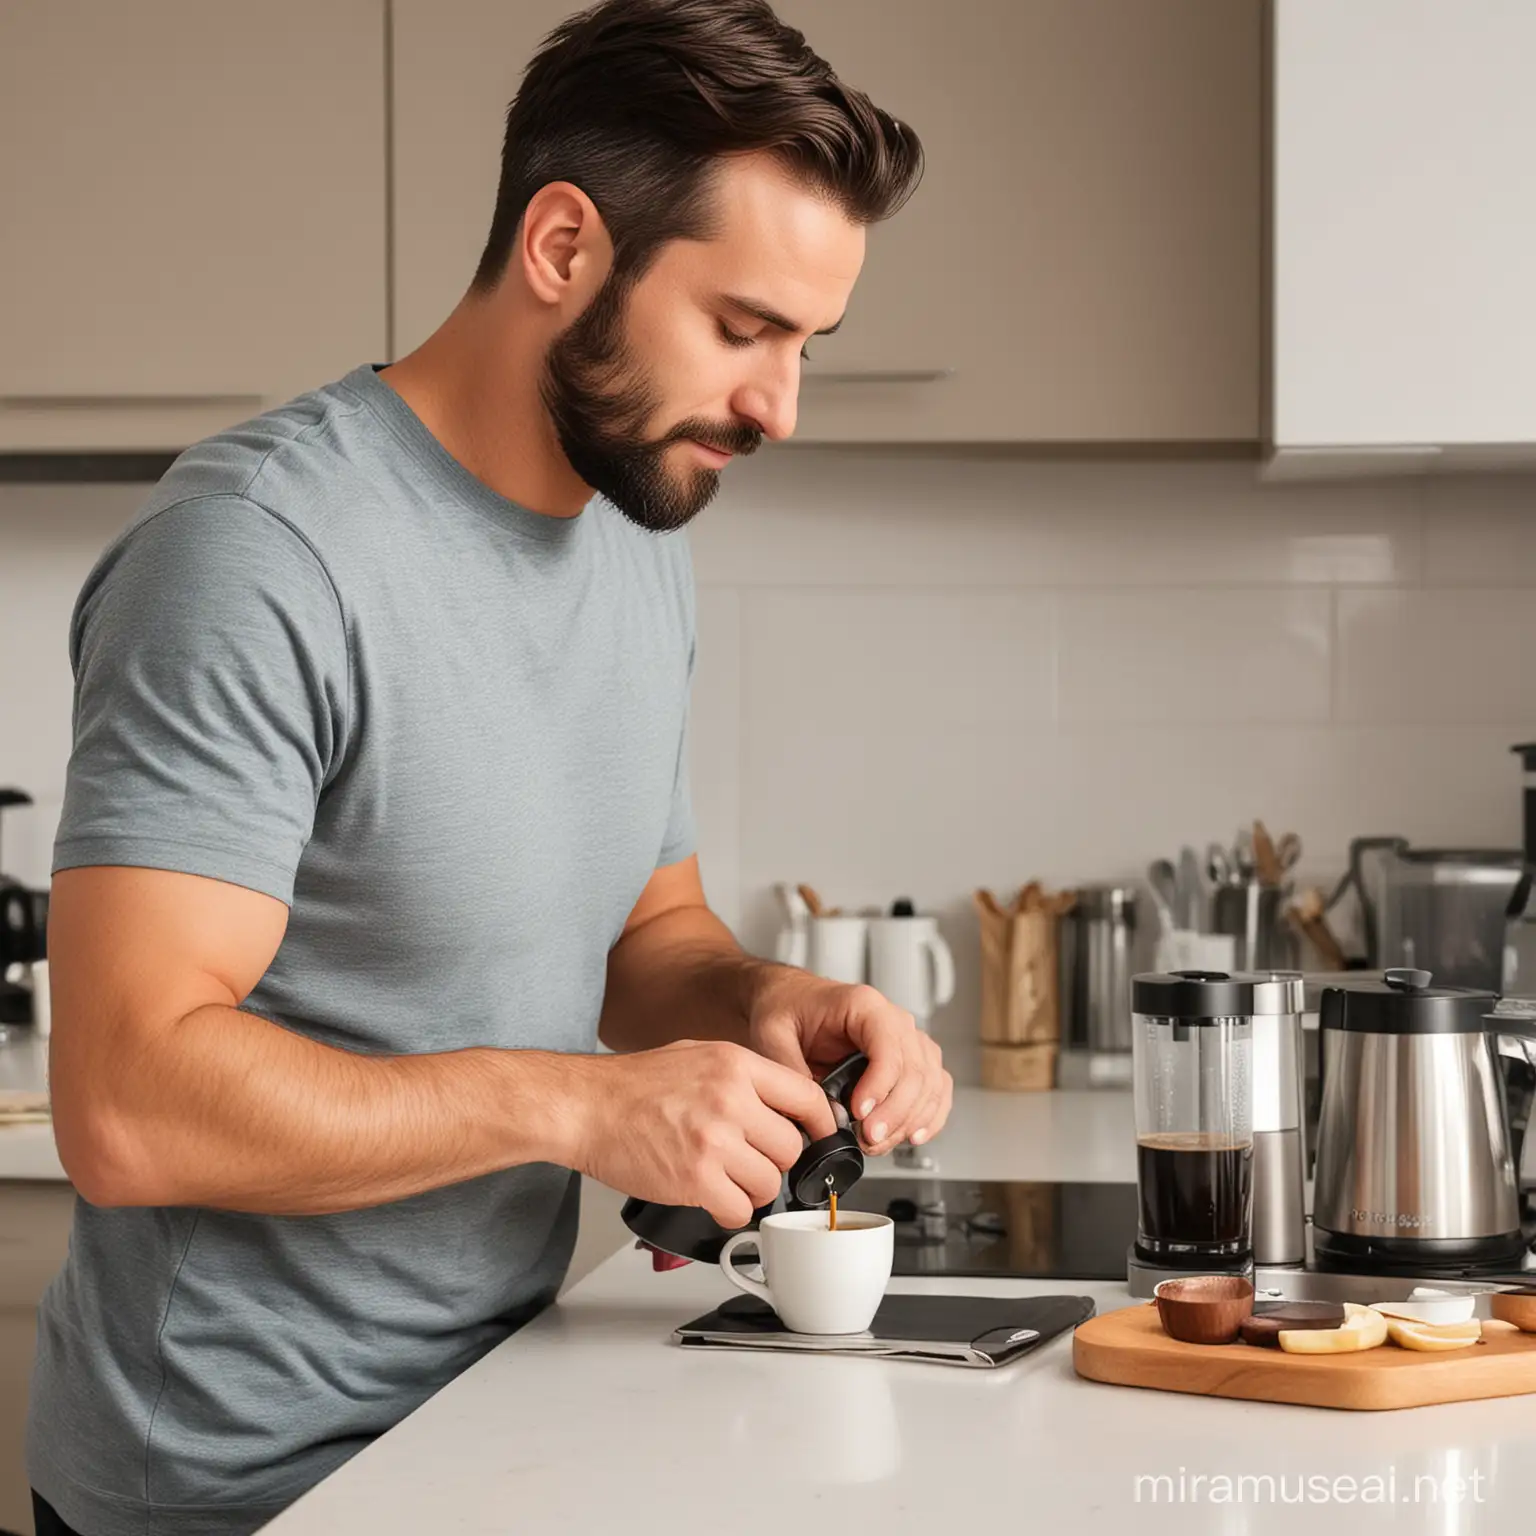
<point x="476" y="390"/>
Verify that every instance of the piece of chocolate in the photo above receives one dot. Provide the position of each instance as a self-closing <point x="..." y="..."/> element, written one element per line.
<point x="1270" y="1318"/>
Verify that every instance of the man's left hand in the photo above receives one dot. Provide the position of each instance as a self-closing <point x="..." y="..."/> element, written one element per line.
<point x="810" y="1024"/>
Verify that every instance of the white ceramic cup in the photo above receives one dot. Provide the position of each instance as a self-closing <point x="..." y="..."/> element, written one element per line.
<point x="818" y="1281"/>
<point x="839" y="948"/>
<point x="911" y="964"/>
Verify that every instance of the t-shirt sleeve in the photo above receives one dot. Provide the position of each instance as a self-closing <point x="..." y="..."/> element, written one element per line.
<point x="211" y="690"/>
<point x="681" y="838"/>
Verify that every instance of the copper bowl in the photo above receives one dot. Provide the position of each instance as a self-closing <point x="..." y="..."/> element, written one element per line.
<point x="1517" y="1305"/>
<point x="1204" y="1309"/>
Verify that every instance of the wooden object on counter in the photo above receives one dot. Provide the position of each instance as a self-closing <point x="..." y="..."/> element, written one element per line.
<point x="1020" y="981"/>
<point x="1127" y="1347"/>
<point x="1019" y="1068"/>
<point x="1305" y="915"/>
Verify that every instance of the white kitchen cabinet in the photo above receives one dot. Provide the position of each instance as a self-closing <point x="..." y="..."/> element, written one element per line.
<point x="193" y="220"/>
<point x="1080" y="265"/>
<point x="1404" y="227"/>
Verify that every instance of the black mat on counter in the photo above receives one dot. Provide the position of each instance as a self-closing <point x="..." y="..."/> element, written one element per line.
<point x="982" y="1331"/>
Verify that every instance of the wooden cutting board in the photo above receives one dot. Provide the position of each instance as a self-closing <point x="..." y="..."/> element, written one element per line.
<point x="1129" y="1348"/>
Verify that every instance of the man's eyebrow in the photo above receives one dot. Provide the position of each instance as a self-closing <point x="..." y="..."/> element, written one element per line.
<point x="772" y="316"/>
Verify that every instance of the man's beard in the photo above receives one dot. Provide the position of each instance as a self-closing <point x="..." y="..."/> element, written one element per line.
<point x="601" y="402"/>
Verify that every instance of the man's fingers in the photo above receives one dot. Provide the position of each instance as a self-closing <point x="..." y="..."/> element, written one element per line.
<point x="892" y="1119"/>
<point x="772" y="1135"/>
<point x="801" y="1098"/>
<point x="757" y="1177"/>
<point x="881" y="1029"/>
<point x="778" y="1038"/>
<point x="726" y="1202"/>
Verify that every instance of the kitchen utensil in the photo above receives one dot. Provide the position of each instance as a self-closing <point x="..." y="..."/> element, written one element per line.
<point x="1129" y="1348"/>
<point x="1305" y="915"/>
<point x="838" y="948"/>
<point x="1218" y="865"/>
<point x="1190" y="885"/>
<point x="1164" y="884"/>
<point x="817" y="1280"/>
<point x="1204" y="1309"/>
<point x="1254" y="916"/>
<point x="1097" y="937"/>
<point x="910" y="963"/>
<point x="1192" y="1064"/>
<point x="811" y="900"/>
<point x="1266" y="860"/>
<point x="1288" y="852"/>
<point x="830" y="1165"/>
<point x="1243" y="866"/>
<point x="1414" y="1162"/>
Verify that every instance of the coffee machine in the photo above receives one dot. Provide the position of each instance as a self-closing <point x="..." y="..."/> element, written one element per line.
<point x="832" y="1165"/>
<point x="23" y="930"/>
<point x="1220" y="1171"/>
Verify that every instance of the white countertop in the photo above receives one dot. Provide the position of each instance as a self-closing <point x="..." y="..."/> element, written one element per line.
<point x="27" y="1151"/>
<point x="591" y="1420"/>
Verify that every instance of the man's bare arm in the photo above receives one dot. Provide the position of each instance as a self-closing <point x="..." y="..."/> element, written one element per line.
<point x="677" y="972"/>
<point x="166" y="1093"/>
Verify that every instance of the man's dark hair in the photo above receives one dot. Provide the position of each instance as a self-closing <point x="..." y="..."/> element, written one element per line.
<point x="632" y="100"/>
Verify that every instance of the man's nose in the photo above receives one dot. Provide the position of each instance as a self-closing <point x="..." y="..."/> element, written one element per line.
<point x="772" y="404"/>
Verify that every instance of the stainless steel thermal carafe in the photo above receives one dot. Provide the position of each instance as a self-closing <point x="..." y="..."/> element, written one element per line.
<point x="1414" y="1168"/>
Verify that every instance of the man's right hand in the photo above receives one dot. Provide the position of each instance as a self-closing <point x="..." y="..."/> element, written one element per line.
<point x="698" y="1122"/>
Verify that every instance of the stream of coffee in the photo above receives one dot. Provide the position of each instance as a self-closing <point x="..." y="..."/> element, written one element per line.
<point x="832" y="1225"/>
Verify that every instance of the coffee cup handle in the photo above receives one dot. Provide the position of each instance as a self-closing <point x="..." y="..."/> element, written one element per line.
<point x="740" y="1281"/>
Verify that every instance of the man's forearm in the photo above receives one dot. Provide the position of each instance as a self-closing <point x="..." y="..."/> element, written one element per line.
<point x="681" y="976"/>
<point x="223" y="1108"/>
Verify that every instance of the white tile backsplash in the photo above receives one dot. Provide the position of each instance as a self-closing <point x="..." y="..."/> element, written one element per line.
<point x="892" y="663"/>
<point x="1436" y="656"/>
<point x="1480" y="531"/>
<point x="925" y="670"/>
<point x="1194" y="655"/>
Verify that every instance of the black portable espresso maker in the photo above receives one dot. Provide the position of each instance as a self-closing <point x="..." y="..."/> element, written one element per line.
<point x="830" y="1166"/>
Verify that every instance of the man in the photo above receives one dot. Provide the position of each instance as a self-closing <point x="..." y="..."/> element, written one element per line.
<point x="377" y="818"/>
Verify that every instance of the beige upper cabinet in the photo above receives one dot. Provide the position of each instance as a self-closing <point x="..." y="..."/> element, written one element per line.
<point x="457" y="65"/>
<point x="1084" y="250"/>
<point x="193" y="221"/>
<point x="1080" y="264"/>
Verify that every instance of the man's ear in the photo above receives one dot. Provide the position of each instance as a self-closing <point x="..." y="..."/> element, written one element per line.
<point x="564" y="248"/>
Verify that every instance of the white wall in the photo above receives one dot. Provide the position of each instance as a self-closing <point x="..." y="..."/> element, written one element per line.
<point x="923" y="671"/>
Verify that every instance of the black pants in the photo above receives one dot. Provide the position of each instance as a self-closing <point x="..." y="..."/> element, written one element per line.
<point x="47" y="1522"/>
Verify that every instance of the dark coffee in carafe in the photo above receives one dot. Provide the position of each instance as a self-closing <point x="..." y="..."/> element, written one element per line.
<point x="1196" y="1191"/>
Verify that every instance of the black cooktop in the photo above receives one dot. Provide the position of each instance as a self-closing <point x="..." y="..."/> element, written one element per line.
<point x="1025" y="1231"/>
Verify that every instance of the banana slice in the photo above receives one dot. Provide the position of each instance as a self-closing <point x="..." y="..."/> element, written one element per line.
<point x="1434" y="1336"/>
<point x="1363" y="1329"/>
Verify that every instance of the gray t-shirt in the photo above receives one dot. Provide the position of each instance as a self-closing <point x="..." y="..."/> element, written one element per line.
<point x="327" y="663"/>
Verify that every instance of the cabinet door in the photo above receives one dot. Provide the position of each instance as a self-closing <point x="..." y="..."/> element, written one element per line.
<point x="1084" y="249"/>
<point x="1404" y="224"/>
<point x="457" y="65"/>
<point x="194" y="212"/>
<point x="1080" y="264"/>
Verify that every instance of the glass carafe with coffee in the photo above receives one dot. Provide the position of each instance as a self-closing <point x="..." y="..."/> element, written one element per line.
<point x="1192" y="1063"/>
